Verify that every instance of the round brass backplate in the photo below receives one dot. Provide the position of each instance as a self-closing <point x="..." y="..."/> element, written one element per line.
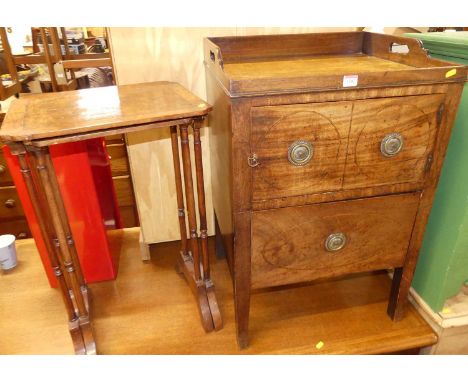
<point x="335" y="242"/>
<point x="300" y="153"/>
<point x="391" y="145"/>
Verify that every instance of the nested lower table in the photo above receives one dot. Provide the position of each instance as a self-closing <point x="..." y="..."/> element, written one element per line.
<point x="36" y="122"/>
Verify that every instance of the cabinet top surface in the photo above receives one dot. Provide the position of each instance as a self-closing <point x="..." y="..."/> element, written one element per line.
<point x="272" y="64"/>
<point x="311" y="66"/>
<point x="50" y="115"/>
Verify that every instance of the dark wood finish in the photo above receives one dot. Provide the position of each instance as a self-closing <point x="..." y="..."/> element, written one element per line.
<point x="415" y="118"/>
<point x="195" y="271"/>
<point x="18" y="227"/>
<point x="404" y="276"/>
<point x="104" y="133"/>
<point x="201" y="201"/>
<point x="130" y="108"/>
<point x="59" y="266"/>
<point x="190" y="196"/>
<point x="242" y="279"/>
<point x="10" y="205"/>
<point x="77" y="112"/>
<point x="209" y="285"/>
<point x="271" y="91"/>
<point x="43" y="193"/>
<point x="254" y="65"/>
<point x="5" y="175"/>
<point x="288" y="244"/>
<point x="275" y="129"/>
<point x="179" y="191"/>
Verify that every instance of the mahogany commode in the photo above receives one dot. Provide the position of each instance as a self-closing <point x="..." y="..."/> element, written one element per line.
<point x="36" y="122"/>
<point x="326" y="150"/>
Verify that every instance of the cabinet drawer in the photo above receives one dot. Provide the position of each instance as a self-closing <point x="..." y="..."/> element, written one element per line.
<point x="289" y="244"/>
<point x="10" y="205"/>
<point x="17" y="227"/>
<point x="118" y="159"/>
<point x="300" y="149"/>
<point x="123" y="190"/>
<point x="390" y="140"/>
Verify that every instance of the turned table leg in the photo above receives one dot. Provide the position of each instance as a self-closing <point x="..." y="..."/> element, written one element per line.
<point x="195" y="271"/>
<point x="43" y="191"/>
<point x="210" y="291"/>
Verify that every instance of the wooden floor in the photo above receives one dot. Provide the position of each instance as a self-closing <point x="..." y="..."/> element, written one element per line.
<point x="149" y="310"/>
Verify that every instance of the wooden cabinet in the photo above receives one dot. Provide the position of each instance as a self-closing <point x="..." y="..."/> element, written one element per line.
<point x="326" y="151"/>
<point x="121" y="176"/>
<point x="12" y="217"/>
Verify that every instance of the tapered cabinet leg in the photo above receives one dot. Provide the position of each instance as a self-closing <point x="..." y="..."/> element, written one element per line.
<point x="242" y="273"/>
<point x="399" y="295"/>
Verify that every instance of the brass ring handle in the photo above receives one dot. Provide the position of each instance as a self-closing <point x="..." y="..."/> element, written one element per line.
<point x="391" y="145"/>
<point x="10" y="203"/>
<point x="252" y="160"/>
<point x="335" y="242"/>
<point x="300" y="153"/>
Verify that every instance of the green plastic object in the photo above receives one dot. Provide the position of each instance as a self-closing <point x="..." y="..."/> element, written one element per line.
<point x="443" y="262"/>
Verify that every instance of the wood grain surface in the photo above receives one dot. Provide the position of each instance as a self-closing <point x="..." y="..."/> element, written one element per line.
<point x="275" y="129"/>
<point x="259" y="65"/>
<point x="130" y="318"/>
<point x="288" y="244"/>
<point x="81" y="111"/>
<point x="393" y="93"/>
<point x="312" y="66"/>
<point x="414" y="118"/>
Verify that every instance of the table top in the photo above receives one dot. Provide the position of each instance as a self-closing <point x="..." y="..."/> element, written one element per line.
<point x="70" y="113"/>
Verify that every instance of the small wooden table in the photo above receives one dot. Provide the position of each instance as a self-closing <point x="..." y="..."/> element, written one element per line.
<point x="36" y="122"/>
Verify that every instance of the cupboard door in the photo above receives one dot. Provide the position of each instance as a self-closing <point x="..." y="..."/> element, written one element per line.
<point x="391" y="140"/>
<point x="298" y="149"/>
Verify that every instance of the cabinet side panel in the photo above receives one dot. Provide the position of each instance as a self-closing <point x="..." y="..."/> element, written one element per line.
<point x="400" y="289"/>
<point x="219" y="122"/>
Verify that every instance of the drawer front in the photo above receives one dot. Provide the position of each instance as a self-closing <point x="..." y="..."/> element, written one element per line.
<point x="390" y="140"/>
<point x="299" y="149"/>
<point x="123" y="190"/>
<point x="118" y="159"/>
<point x="10" y="205"/>
<point x="17" y="227"/>
<point x="289" y="245"/>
